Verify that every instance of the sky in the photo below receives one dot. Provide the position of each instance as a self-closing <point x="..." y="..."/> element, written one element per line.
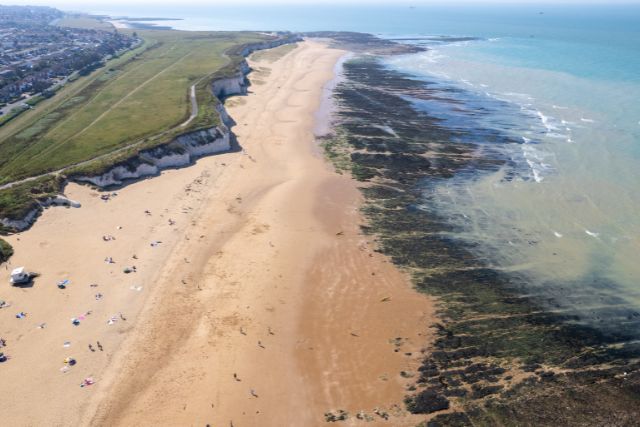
<point x="94" y="6"/>
<point x="79" y="3"/>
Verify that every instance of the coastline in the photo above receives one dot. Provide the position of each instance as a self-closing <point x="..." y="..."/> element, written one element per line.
<point x="249" y="241"/>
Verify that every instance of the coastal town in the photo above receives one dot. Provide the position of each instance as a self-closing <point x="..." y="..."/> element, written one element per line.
<point x="37" y="56"/>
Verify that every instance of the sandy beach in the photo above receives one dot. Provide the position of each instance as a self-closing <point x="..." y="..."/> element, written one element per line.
<point x="256" y="299"/>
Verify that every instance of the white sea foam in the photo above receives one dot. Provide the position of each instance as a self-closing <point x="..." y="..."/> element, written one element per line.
<point x="433" y="56"/>
<point x="545" y="121"/>
<point x="535" y="172"/>
<point x="558" y="107"/>
<point x="558" y="235"/>
<point x="592" y="234"/>
<point x="587" y="120"/>
<point x="535" y="160"/>
<point x="525" y="96"/>
<point x="556" y="135"/>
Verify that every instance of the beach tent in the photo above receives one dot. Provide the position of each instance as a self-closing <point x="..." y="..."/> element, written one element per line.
<point x="18" y="276"/>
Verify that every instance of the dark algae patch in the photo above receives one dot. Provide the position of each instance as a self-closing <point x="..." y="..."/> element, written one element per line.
<point x="508" y="351"/>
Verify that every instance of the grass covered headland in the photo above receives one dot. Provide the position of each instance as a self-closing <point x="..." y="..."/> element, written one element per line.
<point x="138" y="101"/>
<point x="141" y="94"/>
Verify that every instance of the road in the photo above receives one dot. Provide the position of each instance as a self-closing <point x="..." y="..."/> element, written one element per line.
<point x="194" y="106"/>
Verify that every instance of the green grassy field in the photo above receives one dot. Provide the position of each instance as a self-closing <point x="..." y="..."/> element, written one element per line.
<point x="82" y="21"/>
<point x="142" y="94"/>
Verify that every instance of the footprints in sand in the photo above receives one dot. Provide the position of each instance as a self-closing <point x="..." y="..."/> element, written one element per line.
<point x="259" y="229"/>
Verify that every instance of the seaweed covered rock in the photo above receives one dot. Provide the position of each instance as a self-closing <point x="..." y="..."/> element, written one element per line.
<point x="426" y="402"/>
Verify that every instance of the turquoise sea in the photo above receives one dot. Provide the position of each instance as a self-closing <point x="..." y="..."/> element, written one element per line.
<point x="563" y="80"/>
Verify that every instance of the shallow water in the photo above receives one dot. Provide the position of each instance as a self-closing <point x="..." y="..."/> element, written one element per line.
<point x="568" y="210"/>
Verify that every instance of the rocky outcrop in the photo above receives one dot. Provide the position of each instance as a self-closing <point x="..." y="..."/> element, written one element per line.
<point x="28" y="220"/>
<point x="23" y="223"/>
<point x="236" y="83"/>
<point x="233" y="85"/>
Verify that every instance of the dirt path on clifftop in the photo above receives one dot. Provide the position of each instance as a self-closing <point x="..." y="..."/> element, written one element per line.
<point x="273" y="309"/>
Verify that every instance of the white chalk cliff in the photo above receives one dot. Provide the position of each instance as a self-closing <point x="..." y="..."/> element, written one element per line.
<point x="180" y="152"/>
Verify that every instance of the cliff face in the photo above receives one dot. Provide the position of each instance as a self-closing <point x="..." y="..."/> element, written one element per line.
<point x="237" y="83"/>
<point x="181" y="152"/>
<point x="23" y="223"/>
<point x="32" y="215"/>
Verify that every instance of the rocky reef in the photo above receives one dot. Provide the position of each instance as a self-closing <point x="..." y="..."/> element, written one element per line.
<point x="364" y="43"/>
<point x="507" y="351"/>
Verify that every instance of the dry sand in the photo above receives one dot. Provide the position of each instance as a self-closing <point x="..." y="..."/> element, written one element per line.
<point x="264" y="275"/>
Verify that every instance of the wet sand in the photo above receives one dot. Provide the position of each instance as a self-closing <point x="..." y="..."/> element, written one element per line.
<point x="263" y="305"/>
